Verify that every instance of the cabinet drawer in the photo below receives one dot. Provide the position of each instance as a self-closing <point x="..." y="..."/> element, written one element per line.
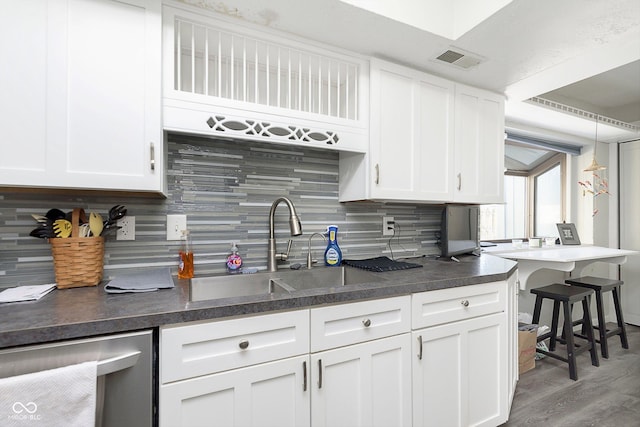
<point x="206" y="348"/>
<point x="347" y="324"/>
<point x="449" y="305"/>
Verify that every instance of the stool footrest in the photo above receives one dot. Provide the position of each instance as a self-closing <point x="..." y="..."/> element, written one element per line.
<point x="552" y="354"/>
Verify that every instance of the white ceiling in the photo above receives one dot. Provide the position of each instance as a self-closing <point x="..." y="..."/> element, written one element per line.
<point x="581" y="53"/>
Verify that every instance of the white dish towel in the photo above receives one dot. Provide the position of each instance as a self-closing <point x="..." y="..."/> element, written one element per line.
<point x="57" y="397"/>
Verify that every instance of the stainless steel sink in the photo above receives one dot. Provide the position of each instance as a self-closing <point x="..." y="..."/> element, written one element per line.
<point x="328" y="277"/>
<point x="216" y="287"/>
<point x="278" y="282"/>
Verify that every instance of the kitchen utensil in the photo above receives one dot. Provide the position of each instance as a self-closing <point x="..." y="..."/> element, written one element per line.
<point x="43" y="232"/>
<point x="109" y="229"/>
<point x="54" y="214"/>
<point x="115" y="213"/>
<point x="95" y="224"/>
<point x="62" y="228"/>
<point x="40" y="218"/>
<point x="84" y="230"/>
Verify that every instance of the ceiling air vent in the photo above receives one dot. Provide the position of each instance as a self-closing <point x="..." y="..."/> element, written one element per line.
<point x="460" y="58"/>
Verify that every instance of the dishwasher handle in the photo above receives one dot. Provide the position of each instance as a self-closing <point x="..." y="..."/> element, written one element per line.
<point x="117" y="363"/>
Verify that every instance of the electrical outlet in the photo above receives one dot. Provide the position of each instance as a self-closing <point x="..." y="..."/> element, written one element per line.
<point x="388" y="226"/>
<point x="128" y="230"/>
<point x="175" y="225"/>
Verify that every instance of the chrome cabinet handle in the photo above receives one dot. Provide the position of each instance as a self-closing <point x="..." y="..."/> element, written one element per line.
<point x="304" y="376"/>
<point x="319" y="373"/>
<point x="420" y="347"/>
<point x="459" y="181"/>
<point x="465" y="302"/>
<point x="377" y="173"/>
<point x="152" y="152"/>
<point x="366" y="323"/>
<point x="117" y="363"/>
<point x="244" y="344"/>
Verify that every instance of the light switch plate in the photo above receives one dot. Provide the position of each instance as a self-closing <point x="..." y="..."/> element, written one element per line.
<point x="175" y="225"/>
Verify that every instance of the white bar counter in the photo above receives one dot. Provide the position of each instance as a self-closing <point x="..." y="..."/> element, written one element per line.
<point x="570" y="258"/>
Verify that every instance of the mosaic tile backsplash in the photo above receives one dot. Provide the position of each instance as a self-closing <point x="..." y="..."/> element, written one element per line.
<point x="226" y="189"/>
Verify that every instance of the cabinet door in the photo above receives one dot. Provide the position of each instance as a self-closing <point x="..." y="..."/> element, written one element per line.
<point x="363" y="385"/>
<point x="435" y="139"/>
<point x="512" y="332"/>
<point x="459" y="376"/>
<point x="204" y="348"/>
<point x="83" y="104"/>
<point x="23" y="82"/>
<point x="112" y="95"/>
<point x="411" y="134"/>
<point x="345" y="324"/>
<point x="393" y="132"/>
<point x="479" y="146"/>
<point x="271" y="394"/>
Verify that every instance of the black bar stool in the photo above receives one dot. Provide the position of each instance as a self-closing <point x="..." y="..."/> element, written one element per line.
<point x="600" y="285"/>
<point x="567" y="295"/>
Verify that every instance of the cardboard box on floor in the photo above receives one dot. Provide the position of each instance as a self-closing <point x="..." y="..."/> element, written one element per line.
<point x="526" y="347"/>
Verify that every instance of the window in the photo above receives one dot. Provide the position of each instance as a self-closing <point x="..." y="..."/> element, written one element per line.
<point x="547" y="205"/>
<point x="534" y="195"/>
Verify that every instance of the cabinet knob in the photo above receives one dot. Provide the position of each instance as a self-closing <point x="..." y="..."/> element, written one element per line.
<point x="465" y="302"/>
<point x="244" y="344"/>
<point x="366" y="323"/>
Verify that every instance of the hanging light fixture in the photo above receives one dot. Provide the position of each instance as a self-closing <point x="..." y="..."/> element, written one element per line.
<point x="598" y="184"/>
<point x="594" y="166"/>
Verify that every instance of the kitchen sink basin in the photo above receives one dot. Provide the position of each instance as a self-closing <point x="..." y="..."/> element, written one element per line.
<point x="328" y="277"/>
<point x="215" y="287"/>
<point x="278" y="282"/>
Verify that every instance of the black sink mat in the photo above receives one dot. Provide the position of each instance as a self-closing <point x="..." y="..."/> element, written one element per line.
<point x="380" y="264"/>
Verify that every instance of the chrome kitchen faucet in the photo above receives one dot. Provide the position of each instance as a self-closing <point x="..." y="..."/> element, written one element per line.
<point x="296" y="230"/>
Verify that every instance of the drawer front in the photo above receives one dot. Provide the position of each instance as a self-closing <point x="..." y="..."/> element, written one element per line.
<point x="453" y="304"/>
<point x="205" y="348"/>
<point x="347" y="324"/>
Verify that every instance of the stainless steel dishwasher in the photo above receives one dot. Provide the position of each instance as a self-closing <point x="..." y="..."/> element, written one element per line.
<point x="125" y="395"/>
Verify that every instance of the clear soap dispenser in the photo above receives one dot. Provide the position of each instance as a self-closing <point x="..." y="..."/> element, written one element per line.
<point x="234" y="261"/>
<point x="185" y="267"/>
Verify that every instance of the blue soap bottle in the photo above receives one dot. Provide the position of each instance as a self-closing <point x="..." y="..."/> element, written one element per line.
<point x="333" y="254"/>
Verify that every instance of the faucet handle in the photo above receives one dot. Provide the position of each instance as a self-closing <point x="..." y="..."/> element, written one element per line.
<point x="285" y="256"/>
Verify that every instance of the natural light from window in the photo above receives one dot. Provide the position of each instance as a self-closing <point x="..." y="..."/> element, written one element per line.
<point x="509" y="220"/>
<point x="548" y="202"/>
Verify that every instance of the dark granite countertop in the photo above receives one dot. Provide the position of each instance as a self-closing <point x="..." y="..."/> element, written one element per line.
<point x="89" y="311"/>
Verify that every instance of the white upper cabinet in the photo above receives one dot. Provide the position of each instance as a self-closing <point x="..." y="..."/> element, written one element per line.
<point x="411" y="134"/>
<point x="231" y="79"/>
<point x="82" y="96"/>
<point x="431" y="140"/>
<point x="479" y="146"/>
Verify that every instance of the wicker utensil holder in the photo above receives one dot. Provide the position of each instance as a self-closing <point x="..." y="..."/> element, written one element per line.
<point x="77" y="261"/>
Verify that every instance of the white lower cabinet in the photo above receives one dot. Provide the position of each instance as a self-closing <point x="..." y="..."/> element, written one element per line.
<point x="457" y="376"/>
<point x="362" y="385"/>
<point x="250" y="371"/>
<point x="437" y="358"/>
<point x="268" y="394"/>
<point x="461" y="368"/>
<point x="367" y="383"/>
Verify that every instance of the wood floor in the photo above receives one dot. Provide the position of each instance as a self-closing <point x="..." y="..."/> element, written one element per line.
<point x="604" y="396"/>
